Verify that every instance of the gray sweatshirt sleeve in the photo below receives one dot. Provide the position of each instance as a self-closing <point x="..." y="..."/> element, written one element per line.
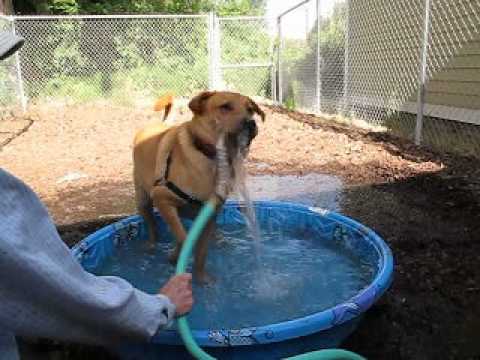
<point x="44" y="292"/>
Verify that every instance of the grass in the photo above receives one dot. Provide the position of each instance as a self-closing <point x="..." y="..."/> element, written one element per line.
<point x="143" y="81"/>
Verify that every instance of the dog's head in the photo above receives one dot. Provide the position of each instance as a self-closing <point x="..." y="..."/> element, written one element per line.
<point x="227" y="112"/>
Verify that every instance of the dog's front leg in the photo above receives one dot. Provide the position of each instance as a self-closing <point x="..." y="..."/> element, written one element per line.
<point x="169" y="213"/>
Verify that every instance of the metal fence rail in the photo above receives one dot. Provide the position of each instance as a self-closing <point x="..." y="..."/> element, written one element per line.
<point x="411" y="67"/>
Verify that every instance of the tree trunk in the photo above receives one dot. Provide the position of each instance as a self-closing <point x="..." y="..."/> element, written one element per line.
<point x="6" y="7"/>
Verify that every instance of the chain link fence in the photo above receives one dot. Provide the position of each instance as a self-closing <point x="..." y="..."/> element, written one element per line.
<point x="410" y="67"/>
<point x="297" y="58"/>
<point x="125" y="61"/>
<point x="246" y="61"/>
<point x="9" y="84"/>
<point x="130" y="60"/>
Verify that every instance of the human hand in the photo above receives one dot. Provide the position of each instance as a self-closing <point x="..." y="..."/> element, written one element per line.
<point x="179" y="290"/>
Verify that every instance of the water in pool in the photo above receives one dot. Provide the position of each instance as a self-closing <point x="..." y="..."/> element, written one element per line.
<point x="292" y="275"/>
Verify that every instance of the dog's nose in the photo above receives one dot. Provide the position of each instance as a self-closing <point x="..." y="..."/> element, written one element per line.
<point x="251" y="127"/>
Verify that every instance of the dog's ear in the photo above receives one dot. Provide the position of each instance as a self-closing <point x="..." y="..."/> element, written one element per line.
<point x="197" y="104"/>
<point x="257" y="109"/>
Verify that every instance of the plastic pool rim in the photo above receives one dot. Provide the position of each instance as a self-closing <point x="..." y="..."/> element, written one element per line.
<point x="285" y="330"/>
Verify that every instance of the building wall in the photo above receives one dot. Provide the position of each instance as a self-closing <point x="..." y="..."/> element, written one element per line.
<point x="384" y="44"/>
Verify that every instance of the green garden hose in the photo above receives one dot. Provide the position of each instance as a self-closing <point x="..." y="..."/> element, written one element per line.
<point x="207" y="211"/>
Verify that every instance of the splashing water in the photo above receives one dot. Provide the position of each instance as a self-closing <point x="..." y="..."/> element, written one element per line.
<point x="237" y="160"/>
<point x="240" y="188"/>
<point x="267" y="285"/>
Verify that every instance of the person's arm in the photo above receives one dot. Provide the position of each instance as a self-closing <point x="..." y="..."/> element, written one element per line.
<point x="44" y="292"/>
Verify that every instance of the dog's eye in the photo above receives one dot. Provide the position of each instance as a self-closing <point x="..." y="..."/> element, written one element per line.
<point x="226" y="107"/>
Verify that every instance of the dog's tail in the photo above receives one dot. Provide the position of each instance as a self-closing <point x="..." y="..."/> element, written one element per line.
<point x="164" y="103"/>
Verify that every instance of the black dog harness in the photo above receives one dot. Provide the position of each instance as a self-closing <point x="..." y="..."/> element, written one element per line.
<point x="209" y="151"/>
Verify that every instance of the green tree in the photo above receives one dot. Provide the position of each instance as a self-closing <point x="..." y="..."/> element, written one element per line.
<point x="69" y="7"/>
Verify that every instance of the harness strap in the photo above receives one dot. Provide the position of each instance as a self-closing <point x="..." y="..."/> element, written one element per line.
<point x="206" y="149"/>
<point x="181" y="194"/>
<point x="174" y="188"/>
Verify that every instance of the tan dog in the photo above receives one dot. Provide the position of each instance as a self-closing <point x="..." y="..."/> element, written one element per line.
<point x="175" y="168"/>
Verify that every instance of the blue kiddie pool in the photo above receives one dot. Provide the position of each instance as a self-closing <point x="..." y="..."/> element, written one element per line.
<point x="303" y="286"/>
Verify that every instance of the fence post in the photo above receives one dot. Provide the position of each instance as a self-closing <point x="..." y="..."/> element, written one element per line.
<point x="346" y="72"/>
<point x="422" y="74"/>
<point x="307" y="21"/>
<point x="319" y="61"/>
<point x="273" y="82"/>
<point x="18" y="69"/>
<point x="279" y="61"/>
<point x="214" y="52"/>
<point x="211" y="51"/>
<point x="273" y="63"/>
<point x="218" y="54"/>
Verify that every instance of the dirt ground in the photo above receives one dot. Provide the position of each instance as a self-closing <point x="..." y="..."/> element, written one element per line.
<point x="425" y="205"/>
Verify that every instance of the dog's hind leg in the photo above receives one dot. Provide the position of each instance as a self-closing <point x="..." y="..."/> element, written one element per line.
<point x="145" y="209"/>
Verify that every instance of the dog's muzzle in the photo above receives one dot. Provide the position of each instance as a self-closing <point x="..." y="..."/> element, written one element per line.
<point x="251" y="127"/>
<point x="241" y="139"/>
